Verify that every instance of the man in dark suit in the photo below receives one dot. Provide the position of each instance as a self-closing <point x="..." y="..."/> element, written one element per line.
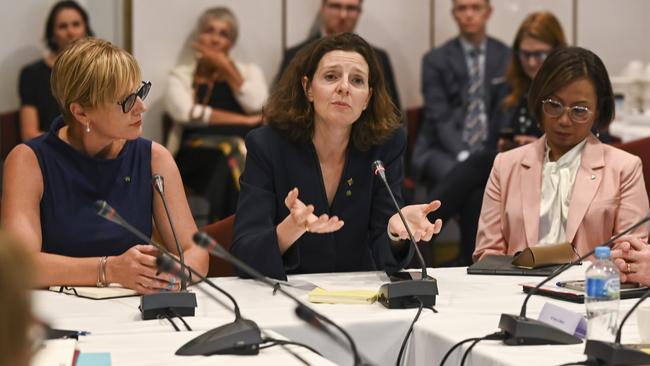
<point x="341" y="16"/>
<point x="444" y="138"/>
<point x="462" y="84"/>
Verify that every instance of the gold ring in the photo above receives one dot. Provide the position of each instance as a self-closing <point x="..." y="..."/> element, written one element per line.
<point x="629" y="267"/>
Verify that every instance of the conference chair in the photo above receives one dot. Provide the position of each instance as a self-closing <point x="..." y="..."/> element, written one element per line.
<point x="222" y="232"/>
<point x="9" y="132"/>
<point x="640" y="148"/>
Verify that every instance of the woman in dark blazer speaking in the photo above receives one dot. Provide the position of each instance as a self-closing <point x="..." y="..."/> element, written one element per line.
<point x="309" y="201"/>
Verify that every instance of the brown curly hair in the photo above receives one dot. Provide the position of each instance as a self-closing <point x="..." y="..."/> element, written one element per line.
<point x="289" y="110"/>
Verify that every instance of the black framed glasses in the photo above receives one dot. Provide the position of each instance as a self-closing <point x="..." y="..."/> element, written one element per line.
<point x="128" y="102"/>
<point x="577" y="113"/>
<point x="537" y="55"/>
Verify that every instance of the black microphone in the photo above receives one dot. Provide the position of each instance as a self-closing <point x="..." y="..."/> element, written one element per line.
<point x="303" y="311"/>
<point x="157" y="304"/>
<point x="239" y="337"/>
<point x="606" y="353"/>
<point x="521" y="330"/>
<point x="159" y="184"/>
<point x="406" y="293"/>
<point x="600" y="352"/>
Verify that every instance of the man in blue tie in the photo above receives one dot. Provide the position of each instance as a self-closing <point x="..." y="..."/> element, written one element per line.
<point x="462" y="85"/>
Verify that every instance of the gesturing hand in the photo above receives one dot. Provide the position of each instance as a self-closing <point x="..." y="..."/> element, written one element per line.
<point x="136" y="269"/>
<point x="303" y="216"/>
<point x="416" y="217"/>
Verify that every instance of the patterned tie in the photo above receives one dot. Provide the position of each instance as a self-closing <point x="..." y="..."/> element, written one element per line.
<point x="475" y="128"/>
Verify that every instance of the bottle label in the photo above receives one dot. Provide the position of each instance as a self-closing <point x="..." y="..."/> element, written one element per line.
<point x="603" y="288"/>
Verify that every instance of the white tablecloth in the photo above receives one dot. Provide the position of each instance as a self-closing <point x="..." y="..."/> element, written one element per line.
<point x="469" y="306"/>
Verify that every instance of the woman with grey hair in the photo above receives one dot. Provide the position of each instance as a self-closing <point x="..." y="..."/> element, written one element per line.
<point x="214" y="101"/>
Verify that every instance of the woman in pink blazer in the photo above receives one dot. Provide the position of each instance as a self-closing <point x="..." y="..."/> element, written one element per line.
<point x="567" y="186"/>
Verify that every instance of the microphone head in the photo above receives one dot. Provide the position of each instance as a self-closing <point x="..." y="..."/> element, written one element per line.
<point x="158" y="183"/>
<point x="377" y="167"/>
<point x="164" y="263"/>
<point x="103" y="209"/>
<point x="106" y="211"/>
<point x="202" y="239"/>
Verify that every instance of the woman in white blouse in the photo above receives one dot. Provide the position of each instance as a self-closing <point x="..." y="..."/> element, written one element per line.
<point x="567" y="186"/>
<point x="214" y="101"/>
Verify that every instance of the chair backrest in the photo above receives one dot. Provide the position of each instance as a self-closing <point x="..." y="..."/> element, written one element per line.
<point x="222" y="232"/>
<point x="9" y="132"/>
<point x="640" y="148"/>
<point x="167" y="124"/>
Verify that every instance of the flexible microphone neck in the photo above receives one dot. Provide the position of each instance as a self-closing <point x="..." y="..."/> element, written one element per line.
<point x="378" y="169"/>
<point x="169" y="264"/>
<point x="566" y="266"/>
<point x="303" y="311"/>
<point x="627" y="315"/>
<point x="159" y="185"/>
<point x="109" y="213"/>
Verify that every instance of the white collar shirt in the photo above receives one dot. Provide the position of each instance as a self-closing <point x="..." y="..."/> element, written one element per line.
<point x="558" y="178"/>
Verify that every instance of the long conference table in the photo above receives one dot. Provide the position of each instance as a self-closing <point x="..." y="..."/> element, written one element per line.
<point x="468" y="306"/>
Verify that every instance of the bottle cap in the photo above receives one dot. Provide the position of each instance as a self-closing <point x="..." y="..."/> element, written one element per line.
<point x="602" y="252"/>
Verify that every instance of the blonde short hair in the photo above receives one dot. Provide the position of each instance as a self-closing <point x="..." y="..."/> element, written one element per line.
<point x="16" y="317"/>
<point x="92" y="72"/>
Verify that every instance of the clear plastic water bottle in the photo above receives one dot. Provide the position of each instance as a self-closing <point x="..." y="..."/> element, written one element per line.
<point x="603" y="287"/>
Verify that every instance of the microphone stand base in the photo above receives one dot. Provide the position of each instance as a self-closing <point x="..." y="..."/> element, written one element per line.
<point x="404" y="294"/>
<point x="522" y="331"/>
<point x="606" y="353"/>
<point x="158" y="304"/>
<point x="241" y="337"/>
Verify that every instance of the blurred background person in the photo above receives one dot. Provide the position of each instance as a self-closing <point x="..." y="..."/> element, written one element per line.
<point x="214" y="101"/>
<point x="566" y="186"/>
<point x="66" y="23"/>
<point x="94" y="152"/>
<point x="342" y="16"/>
<point x="460" y="87"/>
<point x="310" y="201"/>
<point x="462" y="189"/>
<point x="16" y="319"/>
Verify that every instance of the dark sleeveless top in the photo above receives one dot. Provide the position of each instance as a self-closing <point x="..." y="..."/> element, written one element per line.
<point x="72" y="182"/>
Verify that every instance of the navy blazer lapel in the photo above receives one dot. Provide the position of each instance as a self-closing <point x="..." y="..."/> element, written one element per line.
<point x="491" y="71"/>
<point x="456" y="59"/>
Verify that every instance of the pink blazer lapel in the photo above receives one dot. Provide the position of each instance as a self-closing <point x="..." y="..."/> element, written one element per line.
<point x="586" y="184"/>
<point x="530" y="183"/>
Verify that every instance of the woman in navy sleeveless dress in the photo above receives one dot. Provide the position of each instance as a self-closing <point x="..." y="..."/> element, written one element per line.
<point x="94" y="152"/>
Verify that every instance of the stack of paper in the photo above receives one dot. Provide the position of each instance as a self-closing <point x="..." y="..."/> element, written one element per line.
<point x="59" y="352"/>
<point x="319" y="295"/>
